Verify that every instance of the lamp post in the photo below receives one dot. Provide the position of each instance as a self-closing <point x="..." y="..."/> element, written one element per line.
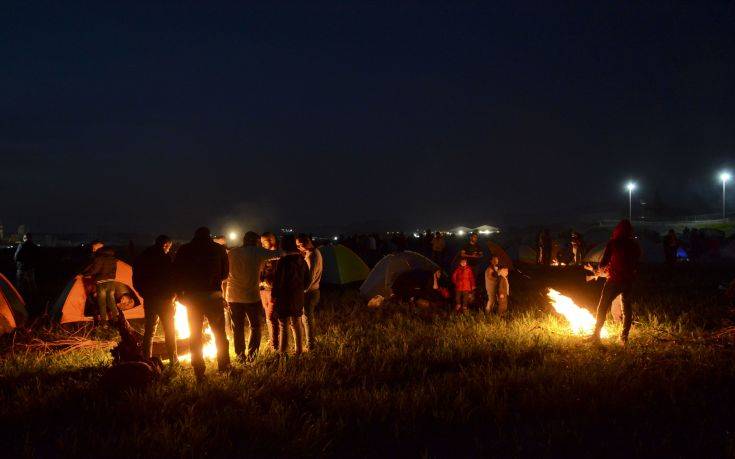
<point x="630" y="186"/>
<point x="724" y="178"/>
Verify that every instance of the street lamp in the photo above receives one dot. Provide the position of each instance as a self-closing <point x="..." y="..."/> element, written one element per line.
<point x="630" y="186"/>
<point x="724" y="177"/>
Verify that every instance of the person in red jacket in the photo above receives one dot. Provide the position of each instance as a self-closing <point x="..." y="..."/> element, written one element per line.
<point x="619" y="265"/>
<point x="464" y="285"/>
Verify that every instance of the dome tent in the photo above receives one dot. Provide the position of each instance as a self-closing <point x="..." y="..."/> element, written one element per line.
<point x="70" y="305"/>
<point x="12" y="307"/>
<point x="341" y="265"/>
<point x="381" y="278"/>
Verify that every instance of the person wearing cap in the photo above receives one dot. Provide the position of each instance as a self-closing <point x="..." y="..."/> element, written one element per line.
<point x="243" y="293"/>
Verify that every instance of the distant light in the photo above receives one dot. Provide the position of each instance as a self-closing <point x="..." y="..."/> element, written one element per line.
<point x="416" y="235"/>
<point x="725" y="177"/>
<point x="335" y="238"/>
<point x="233" y="235"/>
<point x="460" y="232"/>
<point x="485" y="232"/>
<point x="630" y="186"/>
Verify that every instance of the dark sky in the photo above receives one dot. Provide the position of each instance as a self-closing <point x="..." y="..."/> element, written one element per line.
<point x="165" y="116"/>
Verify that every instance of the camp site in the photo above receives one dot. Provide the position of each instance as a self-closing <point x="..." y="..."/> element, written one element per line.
<point x="354" y="229"/>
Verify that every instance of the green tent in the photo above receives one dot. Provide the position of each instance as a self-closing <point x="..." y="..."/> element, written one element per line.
<point x="342" y="265"/>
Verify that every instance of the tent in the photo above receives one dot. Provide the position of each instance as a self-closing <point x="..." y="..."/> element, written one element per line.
<point x="522" y="253"/>
<point x="502" y="255"/>
<point x="70" y="305"/>
<point x="381" y="278"/>
<point x="594" y="255"/>
<point x="12" y="307"/>
<point x="342" y="265"/>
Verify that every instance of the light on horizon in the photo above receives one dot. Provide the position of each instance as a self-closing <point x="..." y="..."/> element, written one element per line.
<point x="630" y="186"/>
<point x="725" y="176"/>
<point x="232" y="235"/>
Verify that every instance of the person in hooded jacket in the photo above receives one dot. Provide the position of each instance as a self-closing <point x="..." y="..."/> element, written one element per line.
<point x="103" y="270"/>
<point x="199" y="269"/>
<point x="290" y="282"/>
<point x="153" y="279"/>
<point x="619" y="264"/>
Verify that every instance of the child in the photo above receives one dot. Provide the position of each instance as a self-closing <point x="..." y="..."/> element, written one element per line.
<point x="464" y="284"/>
<point x="503" y="291"/>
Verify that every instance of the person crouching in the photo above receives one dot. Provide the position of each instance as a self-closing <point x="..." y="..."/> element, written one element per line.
<point x="464" y="285"/>
<point x="291" y="280"/>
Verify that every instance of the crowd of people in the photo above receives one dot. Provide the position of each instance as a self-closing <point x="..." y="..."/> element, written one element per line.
<point x="279" y="281"/>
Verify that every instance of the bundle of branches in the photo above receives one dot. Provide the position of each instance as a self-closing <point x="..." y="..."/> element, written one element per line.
<point x="56" y="340"/>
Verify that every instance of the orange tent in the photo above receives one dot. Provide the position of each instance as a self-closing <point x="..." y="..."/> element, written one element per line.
<point x="12" y="307"/>
<point x="70" y="305"/>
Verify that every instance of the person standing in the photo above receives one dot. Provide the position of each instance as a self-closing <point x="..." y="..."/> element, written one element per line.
<point x="438" y="245"/>
<point x="199" y="269"/>
<point x="267" y="273"/>
<point x="671" y="245"/>
<point x="619" y="265"/>
<point x="464" y="284"/>
<point x="153" y="279"/>
<point x="243" y="293"/>
<point x="577" y="247"/>
<point x="491" y="284"/>
<point x="103" y="270"/>
<point x="290" y="282"/>
<point x="314" y="261"/>
<point x="27" y="256"/>
<point x="503" y="291"/>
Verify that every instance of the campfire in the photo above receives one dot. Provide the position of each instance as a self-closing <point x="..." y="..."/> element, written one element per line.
<point x="181" y="324"/>
<point x="581" y="321"/>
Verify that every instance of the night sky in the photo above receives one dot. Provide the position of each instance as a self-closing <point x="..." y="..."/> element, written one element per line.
<point x="163" y="117"/>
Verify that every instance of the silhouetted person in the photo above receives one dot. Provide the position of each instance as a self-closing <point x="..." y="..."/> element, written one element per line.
<point x="438" y="245"/>
<point x="153" y="279"/>
<point x="199" y="269"/>
<point x="27" y="256"/>
<point x="243" y="293"/>
<point x="103" y="270"/>
<point x="473" y="253"/>
<point x="577" y="247"/>
<point x="544" y="247"/>
<point x="491" y="284"/>
<point x="314" y="261"/>
<point x="291" y="279"/>
<point x="671" y="245"/>
<point x="267" y="274"/>
<point x="619" y="264"/>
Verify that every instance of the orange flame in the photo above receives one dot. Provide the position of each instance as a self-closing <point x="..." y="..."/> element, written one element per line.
<point x="581" y="321"/>
<point x="181" y="324"/>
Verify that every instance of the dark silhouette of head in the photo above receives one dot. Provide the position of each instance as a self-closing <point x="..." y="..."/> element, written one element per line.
<point x="624" y="230"/>
<point x="162" y="239"/>
<point x="288" y="243"/>
<point x="201" y="233"/>
<point x="250" y="238"/>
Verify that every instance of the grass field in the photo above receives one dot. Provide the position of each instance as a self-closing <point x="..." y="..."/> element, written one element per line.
<point x="404" y="382"/>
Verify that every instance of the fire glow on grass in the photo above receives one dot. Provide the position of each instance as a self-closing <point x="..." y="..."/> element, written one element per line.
<point x="181" y="324"/>
<point x="581" y="321"/>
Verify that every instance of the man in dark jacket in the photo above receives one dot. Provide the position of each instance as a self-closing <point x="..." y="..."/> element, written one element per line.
<point x="619" y="265"/>
<point x="102" y="270"/>
<point x="153" y="279"/>
<point x="26" y="261"/>
<point x="290" y="282"/>
<point x="199" y="269"/>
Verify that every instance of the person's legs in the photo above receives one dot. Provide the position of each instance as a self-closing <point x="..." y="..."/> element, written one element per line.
<point x="296" y="327"/>
<point x="502" y="306"/>
<point x="237" y="311"/>
<point x="151" y="322"/>
<point x="169" y="329"/>
<point x="110" y="303"/>
<point x="283" y="335"/>
<point x="271" y="319"/>
<point x="308" y="319"/>
<point x="215" y="313"/>
<point x="253" y="311"/>
<point x="627" y="311"/>
<point x="196" y="322"/>
<point x="458" y="301"/>
<point x="609" y="291"/>
<point x="492" y="296"/>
